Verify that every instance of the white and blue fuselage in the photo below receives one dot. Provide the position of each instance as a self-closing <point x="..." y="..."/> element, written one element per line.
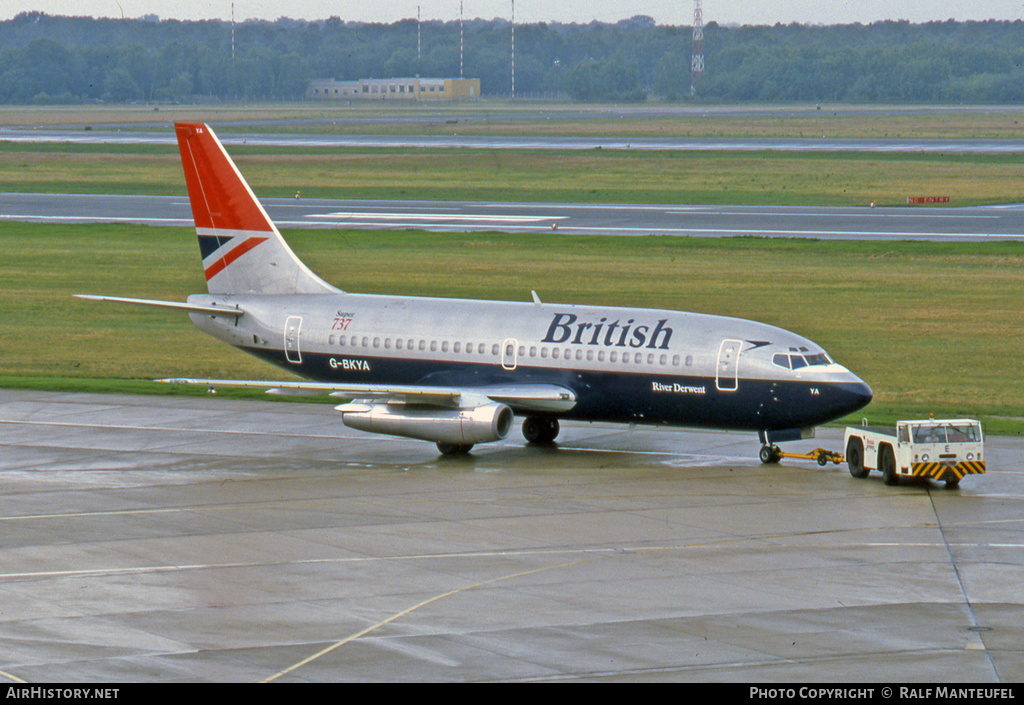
<point x="622" y="364"/>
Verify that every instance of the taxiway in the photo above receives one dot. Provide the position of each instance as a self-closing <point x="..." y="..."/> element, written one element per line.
<point x="161" y="134"/>
<point x="202" y="539"/>
<point x="923" y="223"/>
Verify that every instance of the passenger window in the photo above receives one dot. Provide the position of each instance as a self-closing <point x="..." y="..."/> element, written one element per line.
<point x="613" y="356"/>
<point x="533" y="351"/>
<point x="456" y="347"/>
<point x="330" y="339"/>
<point x="554" y="353"/>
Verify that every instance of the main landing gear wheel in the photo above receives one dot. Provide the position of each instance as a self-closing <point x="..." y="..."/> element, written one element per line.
<point x="540" y="431"/>
<point x="770" y="455"/>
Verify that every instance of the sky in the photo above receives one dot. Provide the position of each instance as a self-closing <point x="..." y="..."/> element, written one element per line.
<point x="671" y="12"/>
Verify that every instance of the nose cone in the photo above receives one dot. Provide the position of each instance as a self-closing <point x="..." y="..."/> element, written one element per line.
<point x="852" y="395"/>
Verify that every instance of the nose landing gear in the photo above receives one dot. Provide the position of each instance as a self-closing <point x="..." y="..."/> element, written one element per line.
<point x="770" y="454"/>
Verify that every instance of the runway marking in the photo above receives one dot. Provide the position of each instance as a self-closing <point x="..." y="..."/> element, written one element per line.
<point x="424" y="603"/>
<point x="438" y="217"/>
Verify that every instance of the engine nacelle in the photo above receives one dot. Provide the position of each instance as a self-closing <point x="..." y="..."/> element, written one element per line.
<point x="462" y="427"/>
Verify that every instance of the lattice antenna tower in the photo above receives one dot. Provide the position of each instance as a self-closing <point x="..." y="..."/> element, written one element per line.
<point x="513" y="49"/>
<point x="697" y="57"/>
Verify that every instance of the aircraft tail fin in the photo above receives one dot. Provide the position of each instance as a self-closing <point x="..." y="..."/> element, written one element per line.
<point x="242" y="250"/>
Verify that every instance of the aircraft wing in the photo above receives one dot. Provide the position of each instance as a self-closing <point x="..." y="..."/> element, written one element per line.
<point x="522" y="397"/>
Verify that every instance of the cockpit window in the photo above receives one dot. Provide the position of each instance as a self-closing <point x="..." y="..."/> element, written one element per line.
<point x="802" y="358"/>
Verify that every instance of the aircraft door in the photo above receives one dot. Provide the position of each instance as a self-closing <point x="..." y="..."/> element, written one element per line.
<point x="728" y="368"/>
<point x="292" y="330"/>
<point x="509" y="354"/>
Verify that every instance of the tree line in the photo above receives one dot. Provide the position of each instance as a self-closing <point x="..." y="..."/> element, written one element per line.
<point x="53" y="59"/>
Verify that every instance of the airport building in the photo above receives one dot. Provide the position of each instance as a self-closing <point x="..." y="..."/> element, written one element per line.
<point x="440" y="89"/>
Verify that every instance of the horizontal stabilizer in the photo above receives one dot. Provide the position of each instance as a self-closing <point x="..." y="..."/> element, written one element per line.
<point x="212" y="309"/>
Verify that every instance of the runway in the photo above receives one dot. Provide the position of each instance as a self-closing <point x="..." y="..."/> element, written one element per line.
<point x="924" y="223"/>
<point x="162" y="134"/>
<point x="156" y="539"/>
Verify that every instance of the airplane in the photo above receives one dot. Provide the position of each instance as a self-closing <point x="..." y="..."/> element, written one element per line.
<point x="457" y="372"/>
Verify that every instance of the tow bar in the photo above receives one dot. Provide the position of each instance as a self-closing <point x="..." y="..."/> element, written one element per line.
<point x="822" y="455"/>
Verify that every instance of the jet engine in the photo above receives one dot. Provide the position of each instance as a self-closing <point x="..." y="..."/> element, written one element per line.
<point x="454" y="430"/>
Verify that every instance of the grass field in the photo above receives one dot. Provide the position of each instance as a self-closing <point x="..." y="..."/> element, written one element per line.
<point x="525" y="118"/>
<point x="592" y="176"/>
<point x="932" y="327"/>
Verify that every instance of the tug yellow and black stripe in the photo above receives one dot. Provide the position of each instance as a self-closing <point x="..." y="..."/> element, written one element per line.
<point x="945" y="471"/>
